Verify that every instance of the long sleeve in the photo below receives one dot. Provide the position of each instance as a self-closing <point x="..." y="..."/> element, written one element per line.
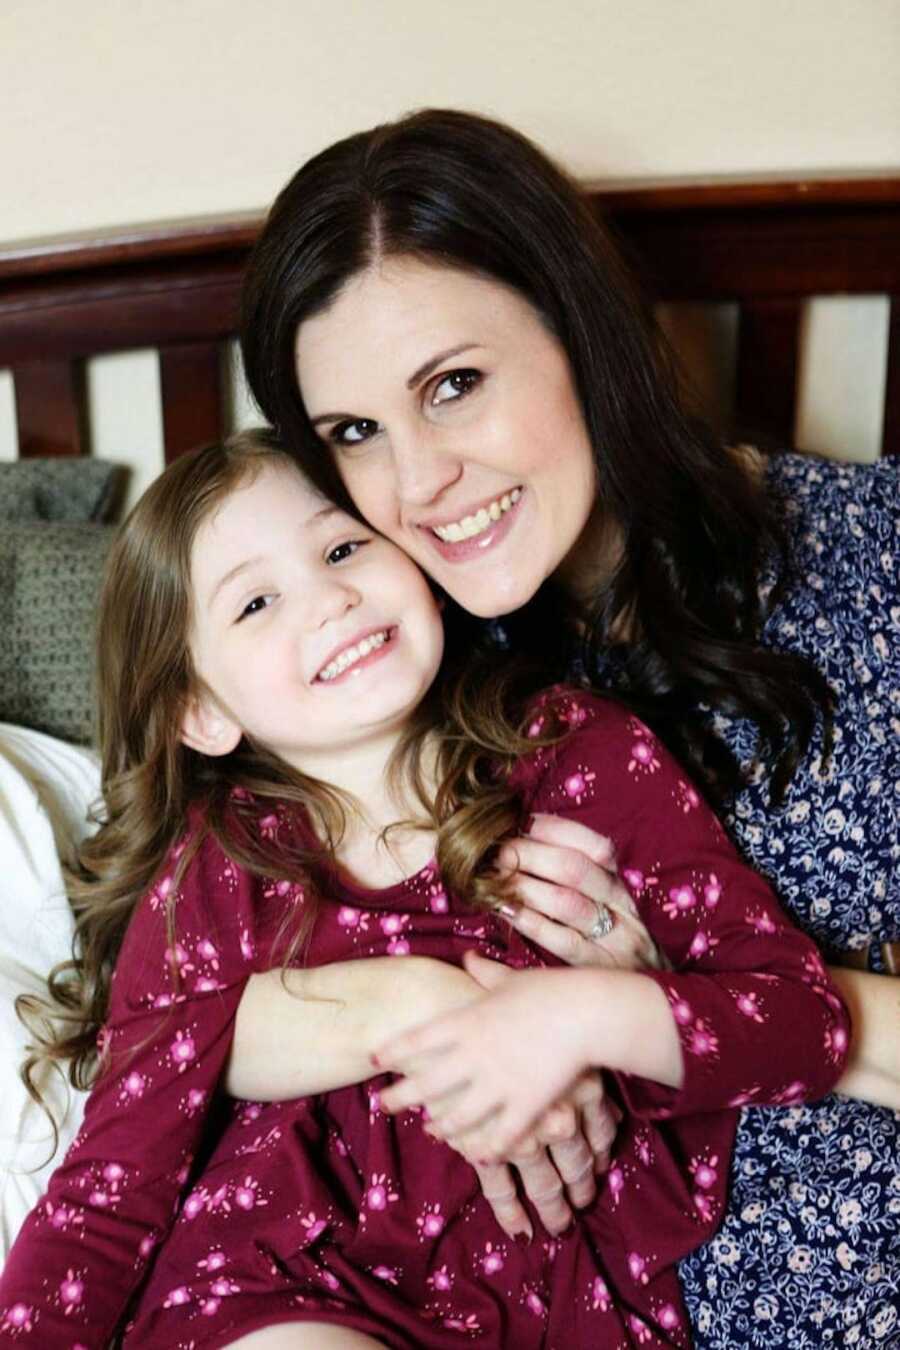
<point x="758" y="1018"/>
<point x="84" y="1247"/>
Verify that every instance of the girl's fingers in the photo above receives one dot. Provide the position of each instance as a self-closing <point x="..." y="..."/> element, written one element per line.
<point x="489" y="974"/>
<point x="432" y="1085"/>
<point x="431" y="1038"/>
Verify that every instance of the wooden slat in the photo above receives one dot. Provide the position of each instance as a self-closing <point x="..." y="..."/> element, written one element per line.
<point x="90" y="314"/>
<point x="890" y="437"/>
<point x="191" y="380"/>
<point x="766" y="386"/>
<point x="50" y="409"/>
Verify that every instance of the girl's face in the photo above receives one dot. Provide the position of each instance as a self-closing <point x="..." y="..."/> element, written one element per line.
<point x="453" y="418"/>
<point x="309" y="632"/>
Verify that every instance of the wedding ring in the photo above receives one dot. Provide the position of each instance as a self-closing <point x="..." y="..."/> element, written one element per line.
<point x="603" y="924"/>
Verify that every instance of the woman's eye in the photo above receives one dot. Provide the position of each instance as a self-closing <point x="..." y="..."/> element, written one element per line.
<point x="455" y="385"/>
<point x="342" y="551"/>
<point x="259" y="602"/>
<point x="353" y="433"/>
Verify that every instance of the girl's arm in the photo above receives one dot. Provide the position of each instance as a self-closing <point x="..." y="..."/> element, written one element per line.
<point x="873" y="1068"/>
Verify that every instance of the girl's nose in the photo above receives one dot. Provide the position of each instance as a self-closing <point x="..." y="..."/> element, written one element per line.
<point x="329" y="599"/>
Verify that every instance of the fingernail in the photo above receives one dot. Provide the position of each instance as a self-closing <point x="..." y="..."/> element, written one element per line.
<point x="508" y="911"/>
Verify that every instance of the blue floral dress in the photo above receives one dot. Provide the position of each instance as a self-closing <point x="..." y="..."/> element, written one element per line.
<point x="809" y="1253"/>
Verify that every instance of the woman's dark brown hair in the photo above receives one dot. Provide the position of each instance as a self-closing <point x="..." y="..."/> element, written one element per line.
<point x="462" y="191"/>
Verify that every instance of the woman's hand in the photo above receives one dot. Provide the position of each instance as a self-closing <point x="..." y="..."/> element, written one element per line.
<point x="565" y="876"/>
<point x="557" y="1164"/>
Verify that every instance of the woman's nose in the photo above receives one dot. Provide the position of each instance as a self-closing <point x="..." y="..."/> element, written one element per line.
<point x="422" y="471"/>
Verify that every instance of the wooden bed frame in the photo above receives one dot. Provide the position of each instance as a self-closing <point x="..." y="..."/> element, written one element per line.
<point x="768" y="245"/>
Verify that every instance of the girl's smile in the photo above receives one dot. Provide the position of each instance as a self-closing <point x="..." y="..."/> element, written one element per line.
<point x="451" y="413"/>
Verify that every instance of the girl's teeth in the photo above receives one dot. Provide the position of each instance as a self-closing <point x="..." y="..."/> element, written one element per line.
<point x="469" y="526"/>
<point x="353" y="654"/>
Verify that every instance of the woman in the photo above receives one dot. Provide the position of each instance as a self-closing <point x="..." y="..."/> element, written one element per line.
<point x="445" y="336"/>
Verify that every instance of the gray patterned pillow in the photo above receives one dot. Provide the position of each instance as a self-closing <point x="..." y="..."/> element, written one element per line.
<point x="58" y="489"/>
<point x="50" y="576"/>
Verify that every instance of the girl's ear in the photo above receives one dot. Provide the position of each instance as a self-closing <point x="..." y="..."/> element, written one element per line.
<point x="207" y="729"/>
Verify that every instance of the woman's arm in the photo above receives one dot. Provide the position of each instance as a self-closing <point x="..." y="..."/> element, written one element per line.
<point x="299" y="1032"/>
<point x="873" y="1069"/>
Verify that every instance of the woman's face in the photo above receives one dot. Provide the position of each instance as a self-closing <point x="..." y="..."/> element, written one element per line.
<point x="452" y="415"/>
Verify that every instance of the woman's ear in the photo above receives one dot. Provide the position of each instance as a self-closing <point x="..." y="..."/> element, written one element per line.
<point x="206" y="728"/>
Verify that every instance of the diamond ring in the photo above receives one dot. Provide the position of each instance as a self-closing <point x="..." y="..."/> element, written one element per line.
<point x="603" y="925"/>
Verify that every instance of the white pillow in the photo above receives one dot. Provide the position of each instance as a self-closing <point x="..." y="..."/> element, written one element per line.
<point x="46" y="788"/>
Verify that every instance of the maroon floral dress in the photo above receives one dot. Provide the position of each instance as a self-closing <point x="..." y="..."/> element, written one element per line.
<point x="190" y="1230"/>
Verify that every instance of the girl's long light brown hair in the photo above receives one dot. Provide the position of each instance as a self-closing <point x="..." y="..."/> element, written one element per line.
<point x="473" y="716"/>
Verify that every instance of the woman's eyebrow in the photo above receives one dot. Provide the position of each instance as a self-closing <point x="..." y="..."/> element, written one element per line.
<point x="416" y="378"/>
<point x="432" y="364"/>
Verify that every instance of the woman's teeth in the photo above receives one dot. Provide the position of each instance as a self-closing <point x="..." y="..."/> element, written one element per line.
<point x="469" y="526"/>
<point x="351" y="655"/>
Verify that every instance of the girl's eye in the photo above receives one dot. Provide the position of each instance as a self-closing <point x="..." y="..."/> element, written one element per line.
<point x="455" y="385"/>
<point x="259" y="602"/>
<point x="353" y="433"/>
<point x="342" y="551"/>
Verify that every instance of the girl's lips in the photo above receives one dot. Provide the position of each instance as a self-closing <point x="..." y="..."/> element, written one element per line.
<point x="364" y="661"/>
<point x="465" y="549"/>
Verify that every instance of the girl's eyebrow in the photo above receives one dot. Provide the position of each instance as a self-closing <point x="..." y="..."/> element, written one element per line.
<point x="416" y="378"/>
<point x="329" y="509"/>
<point x="230" y="576"/>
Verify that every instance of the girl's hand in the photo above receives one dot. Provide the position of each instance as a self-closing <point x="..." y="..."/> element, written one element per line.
<point x="565" y="875"/>
<point x="558" y="1162"/>
<point x="474" y="1069"/>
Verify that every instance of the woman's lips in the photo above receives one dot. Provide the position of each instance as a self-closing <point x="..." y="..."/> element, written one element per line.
<point x="463" y="550"/>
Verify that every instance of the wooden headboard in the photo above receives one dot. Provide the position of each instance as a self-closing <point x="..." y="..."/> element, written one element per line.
<point x="768" y="246"/>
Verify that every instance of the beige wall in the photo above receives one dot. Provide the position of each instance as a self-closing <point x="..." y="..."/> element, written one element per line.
<point x="118" y="111"/>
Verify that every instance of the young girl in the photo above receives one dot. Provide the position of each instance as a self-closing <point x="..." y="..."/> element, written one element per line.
<point x="273" y="703"/>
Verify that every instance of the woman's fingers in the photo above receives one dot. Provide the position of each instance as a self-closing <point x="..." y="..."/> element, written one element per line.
<point x="570" y="945"/>
<point x="499" y="1189"/>
<point x="573" y="835"/>
<point x="574" y="1162"/>
<point x="600" y="1120"/>
<point x="574" y="877"/>
<point x="544" y="1187"/>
